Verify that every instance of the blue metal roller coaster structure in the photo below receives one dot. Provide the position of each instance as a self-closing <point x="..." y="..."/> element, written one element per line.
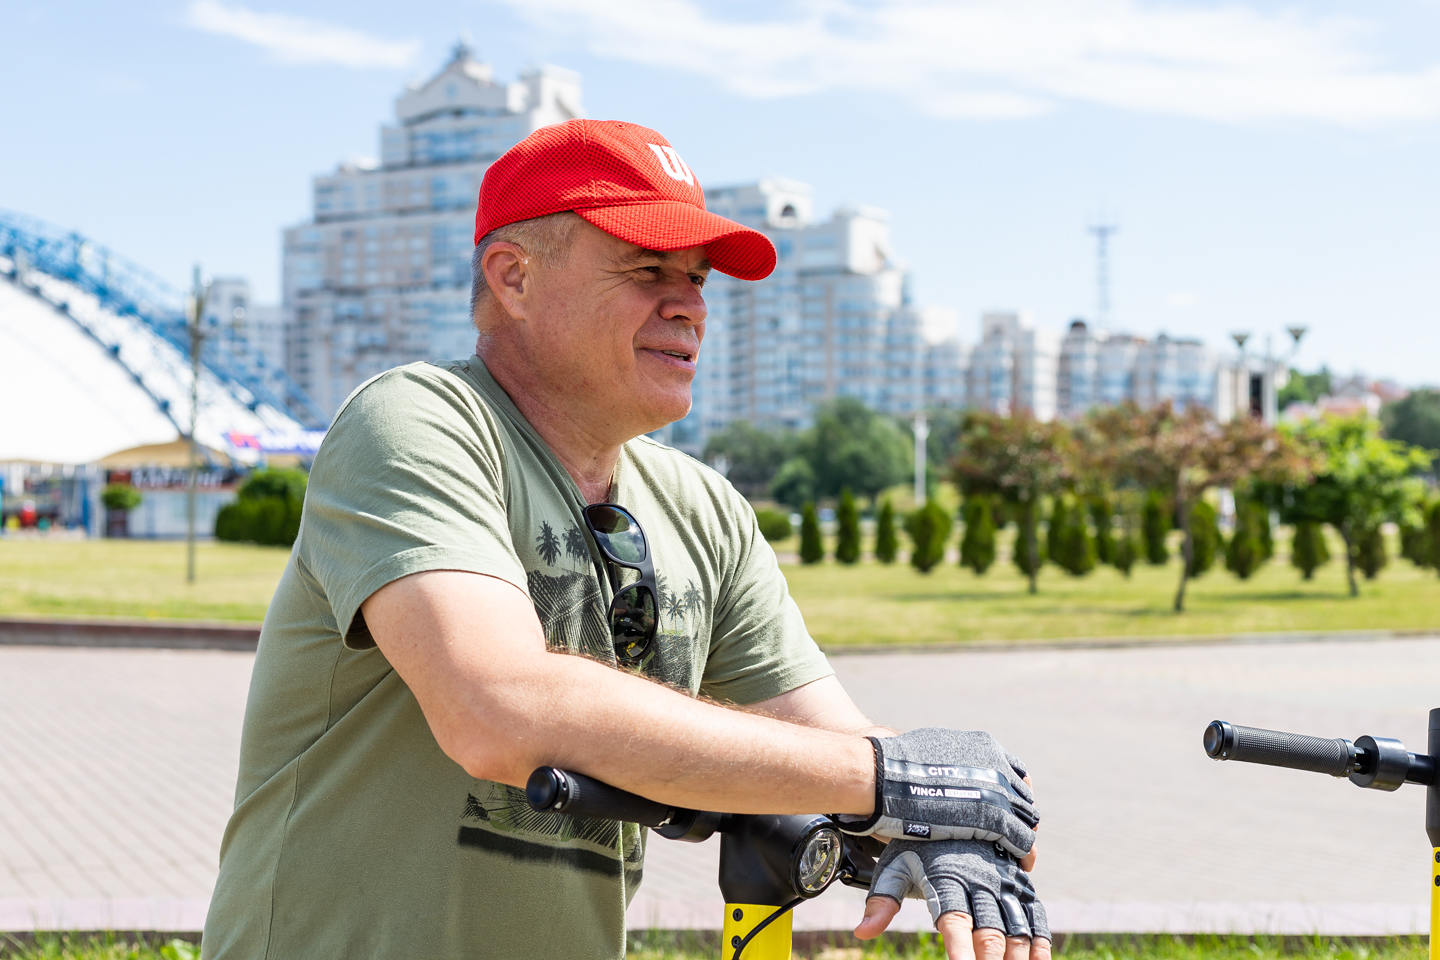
<point x="129" y="290"/>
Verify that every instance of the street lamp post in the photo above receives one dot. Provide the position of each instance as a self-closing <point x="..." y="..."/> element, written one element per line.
<point x="1269" y="374"/>
<point x="922" y="433"/>
<point x="197" y="341"/>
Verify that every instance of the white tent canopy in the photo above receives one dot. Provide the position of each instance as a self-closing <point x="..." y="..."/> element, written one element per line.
<point x="68" y="397"/>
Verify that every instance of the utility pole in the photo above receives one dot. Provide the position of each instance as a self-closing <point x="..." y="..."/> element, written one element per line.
<point x="197" y="341"/>
<point x="1102" y="232"/>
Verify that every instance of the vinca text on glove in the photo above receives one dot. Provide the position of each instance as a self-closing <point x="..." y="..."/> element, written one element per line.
<point x="939" y="784"/>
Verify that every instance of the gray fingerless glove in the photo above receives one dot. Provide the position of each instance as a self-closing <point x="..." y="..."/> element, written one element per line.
<point x="939" y="784"/>
<point x="966" y="876"/>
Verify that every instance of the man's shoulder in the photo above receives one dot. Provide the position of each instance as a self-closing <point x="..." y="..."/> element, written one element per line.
<point x="412" y="380"/>
<point x="664" y="461"/>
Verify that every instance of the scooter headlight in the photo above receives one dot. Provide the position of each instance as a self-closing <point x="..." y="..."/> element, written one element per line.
<point x="817" y="860"/>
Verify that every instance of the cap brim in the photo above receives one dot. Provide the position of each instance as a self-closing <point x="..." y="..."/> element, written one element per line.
<point x="732" y="248"/>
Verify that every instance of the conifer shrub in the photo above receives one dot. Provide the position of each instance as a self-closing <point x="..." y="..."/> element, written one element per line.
<point x="1308" y="551"/>
<point x="1074" y="549"/>
<point x="1206" y="541"/>
<point x="1154" y="527"/>
<point x="1028" y="562"/>
<point x="929" y="528"/>
<point x="977" y="546"/>
<point x="1123" y="553"/>
<point x="1055" y="530"/>
<point x="1102" y="514"/>
<point x="887" y="543"/>
<point x="1370" y="554"/>
<point x="811" y="549"/>
<point x="847" y="518"/>
<point x="1432" y="534"/>
<point x="1246" y="551"/>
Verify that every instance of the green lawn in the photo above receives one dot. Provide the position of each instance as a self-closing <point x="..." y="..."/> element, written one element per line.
<point x="867" y="604"/>
<point x="74" y="947"/>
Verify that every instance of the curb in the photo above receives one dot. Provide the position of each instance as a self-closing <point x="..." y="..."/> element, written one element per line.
<point x="150" y="634"/>
<point x="1111" y="643"/>
<point x="201" y="635"/>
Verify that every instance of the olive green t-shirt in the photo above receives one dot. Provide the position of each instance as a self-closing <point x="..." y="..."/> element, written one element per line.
<point x="353" y="835"/>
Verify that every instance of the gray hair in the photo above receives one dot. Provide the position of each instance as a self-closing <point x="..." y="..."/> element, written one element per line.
<point x="546" y="238"/>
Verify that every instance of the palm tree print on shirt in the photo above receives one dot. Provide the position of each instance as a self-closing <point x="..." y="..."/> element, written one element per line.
<point x="575" y="546"/>
<point x="547" y="544"/>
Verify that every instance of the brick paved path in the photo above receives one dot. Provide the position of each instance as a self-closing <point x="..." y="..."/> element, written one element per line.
<point x="116" y="771"/>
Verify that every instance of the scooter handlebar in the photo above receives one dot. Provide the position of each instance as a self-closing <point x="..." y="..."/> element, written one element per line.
<point x="564" y="791"/>
<point x="1228" y="741"/>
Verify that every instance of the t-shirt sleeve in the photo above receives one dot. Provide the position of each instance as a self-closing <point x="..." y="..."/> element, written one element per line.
<point x="409" y="478"/>
<point x="759" y="647"/>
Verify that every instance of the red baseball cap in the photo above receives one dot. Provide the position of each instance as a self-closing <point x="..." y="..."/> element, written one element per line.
<point x="625" y="179"/>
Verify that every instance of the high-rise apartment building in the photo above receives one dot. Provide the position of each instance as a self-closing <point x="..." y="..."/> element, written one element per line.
<point x="1015" y="367"/>
<point x="381" y="273"/>
<point x="834" y="319"/>
<point x="1107" y="369"/>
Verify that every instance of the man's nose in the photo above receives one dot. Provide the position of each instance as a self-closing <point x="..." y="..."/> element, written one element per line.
<point x="685" y="305"/>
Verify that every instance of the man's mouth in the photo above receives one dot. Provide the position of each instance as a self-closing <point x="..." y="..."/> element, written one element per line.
<point x="679" y="355"/>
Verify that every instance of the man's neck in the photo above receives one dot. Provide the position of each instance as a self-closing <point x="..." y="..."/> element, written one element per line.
<point x="590" y="460"/>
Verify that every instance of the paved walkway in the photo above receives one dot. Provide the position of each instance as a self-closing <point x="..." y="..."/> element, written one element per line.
<point x="116" y="771"/>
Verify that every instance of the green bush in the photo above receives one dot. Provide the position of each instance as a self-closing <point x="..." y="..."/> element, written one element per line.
<point x="1123" y="553"/>
<point x="1415" y="544"/>
<point x="1308" y="551"/>
<point x="811" y="549"/>
<point x="774" y="524"/>
<point x="267" y="509"/>
<point x="120" y="497"/>
<point x="1205" y="539"/>
<point x="1370" y="555"/>
<point x="847" y="518"/>
<point x="977" y="546"/>
<point x="887" y="544"/>
<point x="1154" y="527"/>
<point x="929" y="528"/>
<point x="1432" y="534"/>
<point x="1074" y="549"/>
<point x="1025" y="562"/>
<point x="1264" y="531"/>
<point x="1102" y="514"/>
<point x="1246" y="551"/>
<point x="1055" y="529"/>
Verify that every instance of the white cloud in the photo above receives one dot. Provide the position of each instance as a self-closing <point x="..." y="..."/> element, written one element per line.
<point x="998" y="58"/>
<point x="297" y="39"/>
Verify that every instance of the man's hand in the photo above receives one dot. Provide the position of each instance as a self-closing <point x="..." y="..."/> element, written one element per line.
<point x="938" y="784"/>
<point x="980" y="898"/>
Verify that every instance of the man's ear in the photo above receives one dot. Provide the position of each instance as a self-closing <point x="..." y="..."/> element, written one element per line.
<point x="506" y="267"/>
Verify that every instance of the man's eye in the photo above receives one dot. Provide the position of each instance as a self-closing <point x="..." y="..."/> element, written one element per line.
<point x="698" y="279"/>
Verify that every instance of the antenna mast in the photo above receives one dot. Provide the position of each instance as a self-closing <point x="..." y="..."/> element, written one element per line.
<point x="1102" y="233"/>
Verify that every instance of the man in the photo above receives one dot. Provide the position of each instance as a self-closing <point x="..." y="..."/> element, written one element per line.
<point x="496" y="570"/>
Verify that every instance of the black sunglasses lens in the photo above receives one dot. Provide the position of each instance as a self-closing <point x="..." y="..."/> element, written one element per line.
<point x="633" y="622"/>
<point x="616" y="532"/>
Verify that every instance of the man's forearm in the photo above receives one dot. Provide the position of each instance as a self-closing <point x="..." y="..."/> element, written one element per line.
<point x="651" y="740"/>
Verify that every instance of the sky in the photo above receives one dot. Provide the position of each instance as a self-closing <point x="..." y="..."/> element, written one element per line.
<point x="1267" y="164"/>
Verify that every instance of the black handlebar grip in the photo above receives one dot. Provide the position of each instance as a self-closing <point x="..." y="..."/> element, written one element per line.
<point x="551" y="788"/>
<point x="1227" y="741"/>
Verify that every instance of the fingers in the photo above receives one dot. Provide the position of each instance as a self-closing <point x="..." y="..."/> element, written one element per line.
<point x="879" y="911"/>
<point x="1017" y="948"/>
<point x="1027" y="862"/>
<point x="1040" y="948"/>
<point x="956" y="930"/>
